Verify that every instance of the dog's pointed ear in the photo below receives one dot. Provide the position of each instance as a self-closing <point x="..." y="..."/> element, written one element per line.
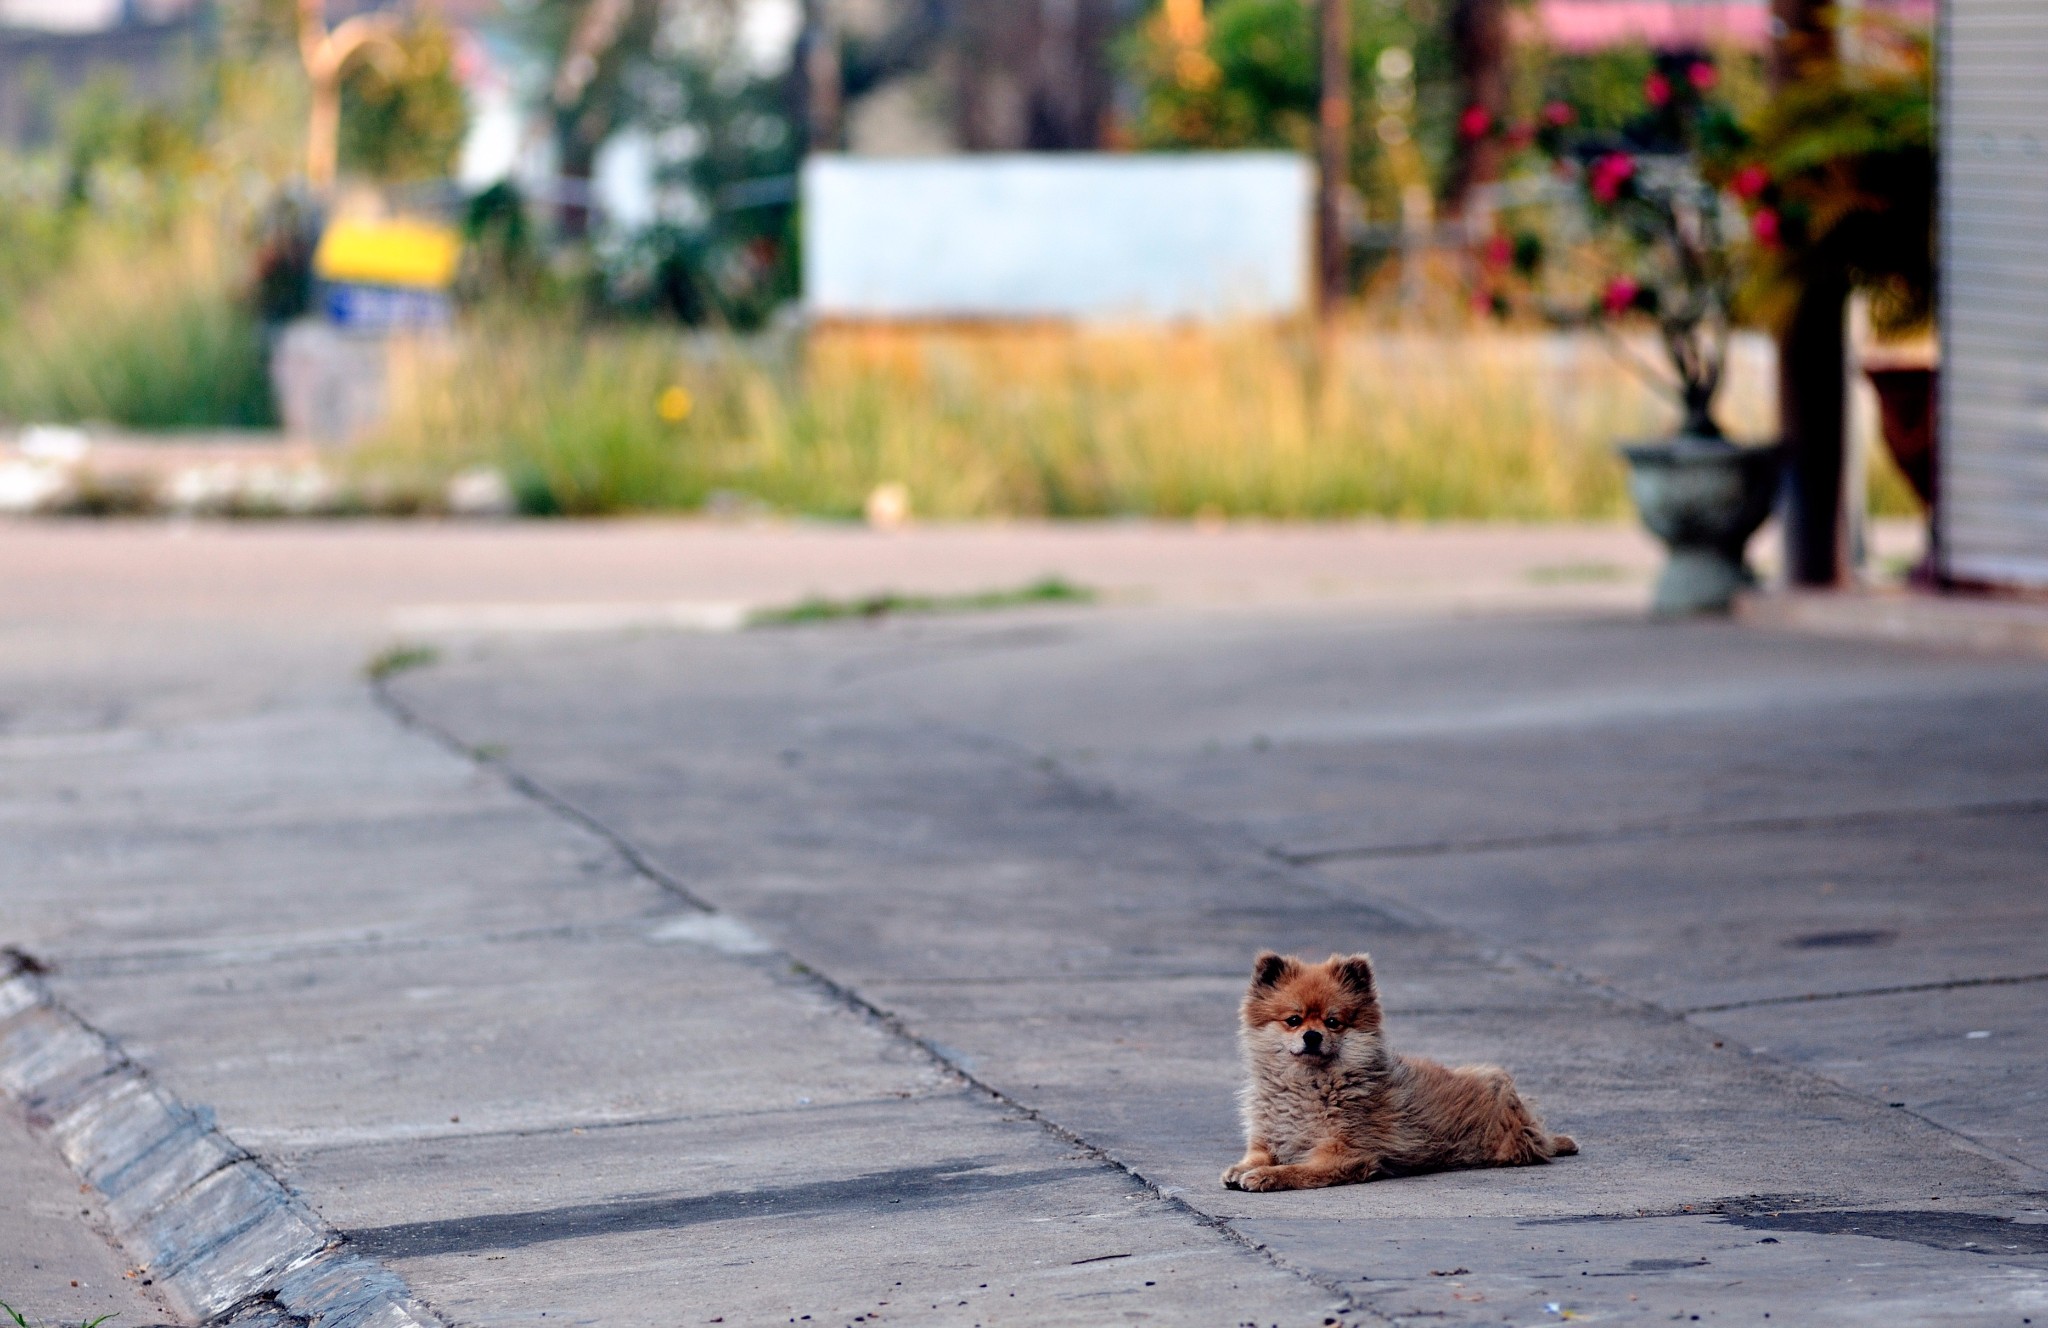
<point x="1269" y="968"/>
<point x="1356" y="974"/>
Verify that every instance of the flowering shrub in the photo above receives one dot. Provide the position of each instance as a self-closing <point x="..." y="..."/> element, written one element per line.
<point x="1641" y="224"/>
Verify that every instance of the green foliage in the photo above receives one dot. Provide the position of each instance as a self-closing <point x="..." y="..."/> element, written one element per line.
<point x="1848" y="175"/>
<point x="1253" y="83"/>
<point x="591" y="440"/>
<point x="405" y="122"/>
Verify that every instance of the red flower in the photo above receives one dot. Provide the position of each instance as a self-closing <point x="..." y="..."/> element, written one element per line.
<point x="1767" y="229"/>
<point x="1749" y="181"/>
<point x="1609" y="174"/>
<point x="1499" y="253"/>
<point x="1475" y="122"/>
<point x="1558" y="114"/>
<point x="1620" y="296"/>
<point x="1657" y="90"/>
<point x="1703" y="76"/>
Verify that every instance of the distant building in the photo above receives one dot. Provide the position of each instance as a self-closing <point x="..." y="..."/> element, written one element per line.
<point x="51" y="48"/>
<point x="1594" y="25"/>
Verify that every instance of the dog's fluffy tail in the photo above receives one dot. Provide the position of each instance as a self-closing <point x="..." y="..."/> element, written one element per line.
<point x="1563" y="1145"/>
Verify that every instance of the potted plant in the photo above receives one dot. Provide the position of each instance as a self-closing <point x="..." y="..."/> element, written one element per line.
<point x="1638" y="229"/>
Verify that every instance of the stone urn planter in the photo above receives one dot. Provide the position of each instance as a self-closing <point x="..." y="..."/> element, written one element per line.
<point x="1704" y="497"/>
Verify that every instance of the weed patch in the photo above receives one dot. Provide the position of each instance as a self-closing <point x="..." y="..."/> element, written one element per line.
<point x="1050" y="590"/>
<point x="399" y="659"/>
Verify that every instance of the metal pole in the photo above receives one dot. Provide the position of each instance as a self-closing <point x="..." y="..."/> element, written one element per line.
<point x="1333" y="142"/>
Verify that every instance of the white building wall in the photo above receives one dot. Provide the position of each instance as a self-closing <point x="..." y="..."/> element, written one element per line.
<point x="1080" y="236"/>
<point x="1994" y="268"/>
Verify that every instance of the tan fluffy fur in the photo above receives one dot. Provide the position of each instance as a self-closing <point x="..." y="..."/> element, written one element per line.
<point x="1339" y="1107"/>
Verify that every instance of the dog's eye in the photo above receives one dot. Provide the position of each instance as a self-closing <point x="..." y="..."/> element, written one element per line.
<point x="1333" y="1022"/>
<point x="1294" y="1021"/>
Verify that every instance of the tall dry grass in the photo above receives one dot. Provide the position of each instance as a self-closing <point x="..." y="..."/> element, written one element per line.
<point x="149" y="334"/>
<point x="1046" y="421"/>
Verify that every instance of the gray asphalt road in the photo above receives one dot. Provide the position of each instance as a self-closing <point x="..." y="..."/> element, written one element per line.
<point x="1733" y="905"/>
<point x="887" y="971"/>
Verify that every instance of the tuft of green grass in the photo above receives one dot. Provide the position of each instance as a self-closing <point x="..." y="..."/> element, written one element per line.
<point x="1049" y="590"/>
<point x="398" y="659"/>
<point x="1576" y="573"/>
<point x="21" y="1321"/>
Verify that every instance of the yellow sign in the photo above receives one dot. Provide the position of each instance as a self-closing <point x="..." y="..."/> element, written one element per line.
<point x="395" y="252"/>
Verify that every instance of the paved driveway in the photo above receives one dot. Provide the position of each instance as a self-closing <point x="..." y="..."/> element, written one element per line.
<point x="887" y="970"/>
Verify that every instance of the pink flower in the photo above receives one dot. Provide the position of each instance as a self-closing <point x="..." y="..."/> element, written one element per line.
<point x="1475" y="122"/>
<point x="1749" y="181"/>
<point x="1703" y="76"/>
<point x="1609" y="174"/>
<point x="1499" y="252"/>
<point x="1657" y="90"/>
<point x="1620" y="296"/>
<point x="1767" y="228"/>
<point x="1558" y="114"/>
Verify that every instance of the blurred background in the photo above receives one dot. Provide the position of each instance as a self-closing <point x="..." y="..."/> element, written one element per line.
<point x="1411" y="258"/>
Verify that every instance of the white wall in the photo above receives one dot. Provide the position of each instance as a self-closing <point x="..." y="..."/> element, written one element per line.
<point x="1086" y="236"/>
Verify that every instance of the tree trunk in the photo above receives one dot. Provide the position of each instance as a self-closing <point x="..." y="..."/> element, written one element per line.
<point x="823" y="79"/>
<point x="1479" y="41"/>
<point x="1812" y="351"/>
<point x="1812" y="385"/>
<point x="1333" y="152"/>
<point x="1033" y="74"/>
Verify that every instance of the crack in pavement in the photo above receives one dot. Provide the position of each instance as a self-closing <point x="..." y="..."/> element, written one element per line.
<point x="850" y="999"/>
<point x="1542" y="963"/>
<point x="1860" y="993"/>
<point x="952" y="1181"/>
<point x="1655" y="830"/>
<point x="1091" y="795"/>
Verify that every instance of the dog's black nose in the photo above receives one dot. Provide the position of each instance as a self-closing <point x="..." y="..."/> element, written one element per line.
<point x="1312" y="1040"/>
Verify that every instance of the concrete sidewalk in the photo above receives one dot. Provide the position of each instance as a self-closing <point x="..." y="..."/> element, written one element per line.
<point x="887" y="970"/>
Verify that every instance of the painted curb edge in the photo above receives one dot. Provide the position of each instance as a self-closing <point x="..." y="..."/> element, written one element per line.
<point x="220" y="1236"/>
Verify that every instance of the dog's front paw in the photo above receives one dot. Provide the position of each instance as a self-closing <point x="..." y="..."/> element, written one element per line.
<point x="1263" y="1178"/>
<point x="1232" y="1174"/>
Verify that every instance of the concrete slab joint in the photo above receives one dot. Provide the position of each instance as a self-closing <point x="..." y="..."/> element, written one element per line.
<point x="199" y="1215"/>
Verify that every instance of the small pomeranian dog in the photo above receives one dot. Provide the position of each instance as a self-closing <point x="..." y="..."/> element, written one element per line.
<point x="1328" y="1104"/>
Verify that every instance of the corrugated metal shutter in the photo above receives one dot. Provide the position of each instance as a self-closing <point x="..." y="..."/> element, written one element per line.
<point x="1994" y="266"/>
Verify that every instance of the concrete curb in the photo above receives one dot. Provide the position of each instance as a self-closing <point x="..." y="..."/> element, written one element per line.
<point x="219" y="1235"/>
<point x="1988" y="624"/>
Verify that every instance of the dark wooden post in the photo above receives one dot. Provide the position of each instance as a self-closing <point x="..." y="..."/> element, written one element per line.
<point x="1479" y="42"/>
<point x="1812" y="350"/>
<point x="823" y="80"/>
<point x="1333" y="152"/>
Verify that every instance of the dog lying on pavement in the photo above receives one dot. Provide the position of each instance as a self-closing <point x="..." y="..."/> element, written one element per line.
<point x="1327" y="1104"/>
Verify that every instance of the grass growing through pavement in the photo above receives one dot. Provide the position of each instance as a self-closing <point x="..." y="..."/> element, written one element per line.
<point x="20" y="1321"/>
<point x="1051" y="590"/>
<point x="394" y="660"/>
